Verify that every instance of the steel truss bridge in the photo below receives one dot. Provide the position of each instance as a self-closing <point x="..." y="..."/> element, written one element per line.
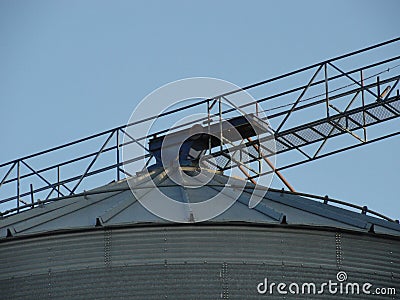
<point x="314" y="112"/>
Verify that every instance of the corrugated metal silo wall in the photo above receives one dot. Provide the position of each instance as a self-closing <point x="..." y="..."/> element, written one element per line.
<point x="192" y="262"/>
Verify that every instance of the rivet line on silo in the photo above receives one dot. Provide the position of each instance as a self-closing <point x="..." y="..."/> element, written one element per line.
<point x="225" y="287"/>
<point x="338" y="244"/>
<point x="107" y="247"/>
<point x="49" y="283"/>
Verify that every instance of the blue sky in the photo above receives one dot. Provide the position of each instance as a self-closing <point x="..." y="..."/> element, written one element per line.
<point x="72" y="68"/>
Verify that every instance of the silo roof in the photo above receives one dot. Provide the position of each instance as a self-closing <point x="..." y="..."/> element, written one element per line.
<point x="115" y="205"/>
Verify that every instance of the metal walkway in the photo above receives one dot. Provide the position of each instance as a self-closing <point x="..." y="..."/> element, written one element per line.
<point x="343" y="97"/>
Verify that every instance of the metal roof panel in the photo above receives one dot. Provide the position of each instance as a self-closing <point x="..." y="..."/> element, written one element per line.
<point x="115" y="204"/>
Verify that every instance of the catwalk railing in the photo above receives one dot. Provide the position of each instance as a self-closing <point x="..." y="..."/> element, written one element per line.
<point x="334" y="110"/>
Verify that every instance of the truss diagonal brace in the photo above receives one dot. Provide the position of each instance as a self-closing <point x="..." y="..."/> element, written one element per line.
<point x="92" y="162"/>
<point x="352" y="79"/>
<point x="299" y="98"/>
<point x="8" y="173"/>
<point x="271" y="165"/>
<point x="41" y="177"/>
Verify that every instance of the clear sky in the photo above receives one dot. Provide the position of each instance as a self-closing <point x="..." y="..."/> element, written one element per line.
<point x="72" y="68"/>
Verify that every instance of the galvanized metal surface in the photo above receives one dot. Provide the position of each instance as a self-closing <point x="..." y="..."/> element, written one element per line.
<point x="192" y="262"/>
<point x="105" y="245"/>
<point x="115" y="204"/>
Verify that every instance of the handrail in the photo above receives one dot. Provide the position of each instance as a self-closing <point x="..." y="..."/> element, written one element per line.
<point x="325" y="199"/>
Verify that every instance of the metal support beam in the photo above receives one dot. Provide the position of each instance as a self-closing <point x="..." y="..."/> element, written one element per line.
<point x="326" y="90"/>
<point x="355" y="81"/>
<point x="8" y="173"/>
<point x="58" y="182"/>
<point x="298" y="99"/>
<point x="32" y="196"/>
<point x="18" y="184"/>
<point x="363" y="105"/>
<point x="117" y="154"/>
<point x="271" y="165"/>
<point x="92" y="163"/>
<point x="49" y="184"/>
